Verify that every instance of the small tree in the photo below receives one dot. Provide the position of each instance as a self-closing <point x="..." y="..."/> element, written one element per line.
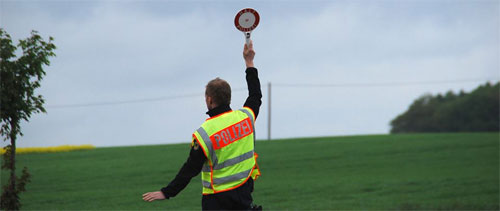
<point x="18" y="80"/>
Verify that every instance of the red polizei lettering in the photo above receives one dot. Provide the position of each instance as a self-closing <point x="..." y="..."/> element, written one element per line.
<point x="231" y="134"/>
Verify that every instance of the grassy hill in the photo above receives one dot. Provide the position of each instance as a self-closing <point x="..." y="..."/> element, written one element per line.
<point x="412" y="171"/>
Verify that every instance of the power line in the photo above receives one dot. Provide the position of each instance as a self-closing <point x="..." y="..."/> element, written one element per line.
<point x="387" y="84"/>
<point x="123" y="101"/>
<point x="173" y="97"/>
<point x="120" y="102"/>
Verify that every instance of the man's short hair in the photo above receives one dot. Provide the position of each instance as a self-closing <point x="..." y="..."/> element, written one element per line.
<point x="219" y="90"/>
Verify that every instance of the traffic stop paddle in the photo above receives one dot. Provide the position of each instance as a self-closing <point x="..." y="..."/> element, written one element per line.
<point x="246" y="20"/>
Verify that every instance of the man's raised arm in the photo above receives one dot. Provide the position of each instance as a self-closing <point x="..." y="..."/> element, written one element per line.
<point x="254" y="93"/>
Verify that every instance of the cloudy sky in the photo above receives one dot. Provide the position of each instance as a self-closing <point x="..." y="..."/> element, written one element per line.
<point x="133" y="72"/>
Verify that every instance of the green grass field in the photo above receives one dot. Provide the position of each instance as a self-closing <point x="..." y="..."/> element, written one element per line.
<point x="388" y="172"/>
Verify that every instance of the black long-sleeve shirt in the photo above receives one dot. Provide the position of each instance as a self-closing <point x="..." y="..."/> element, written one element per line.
<point x="196" y="159"/>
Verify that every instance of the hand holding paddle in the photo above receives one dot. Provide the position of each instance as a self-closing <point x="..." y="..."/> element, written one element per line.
<point x="248" y="54"/>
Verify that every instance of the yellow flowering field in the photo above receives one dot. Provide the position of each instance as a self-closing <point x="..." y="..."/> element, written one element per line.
<point x="62" y="148"/>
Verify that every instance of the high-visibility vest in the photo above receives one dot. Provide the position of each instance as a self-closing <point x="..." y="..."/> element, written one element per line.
<point x="228" y="141"/>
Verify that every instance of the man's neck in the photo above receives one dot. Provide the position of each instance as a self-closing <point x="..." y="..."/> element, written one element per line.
<point x="218" y="110"/>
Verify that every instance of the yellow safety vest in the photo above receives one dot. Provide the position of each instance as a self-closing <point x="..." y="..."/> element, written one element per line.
<point x="228" y="141"/>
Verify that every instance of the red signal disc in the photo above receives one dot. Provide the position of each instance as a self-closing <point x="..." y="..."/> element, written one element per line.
<point x="246" y="20"/>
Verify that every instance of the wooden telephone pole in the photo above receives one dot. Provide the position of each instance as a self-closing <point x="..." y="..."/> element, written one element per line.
<point x="269" y="111"/>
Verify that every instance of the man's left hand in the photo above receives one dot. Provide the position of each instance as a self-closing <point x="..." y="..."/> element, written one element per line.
<point x="248" y="54"/>
<point x="151" y="196"/>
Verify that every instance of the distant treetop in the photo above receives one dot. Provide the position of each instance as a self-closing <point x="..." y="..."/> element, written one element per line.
<point x="463" y="112"/>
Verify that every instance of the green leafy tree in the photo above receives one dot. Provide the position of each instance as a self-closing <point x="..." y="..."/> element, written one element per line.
<point x="463" y="112"/>
<point x="19" y="77"/>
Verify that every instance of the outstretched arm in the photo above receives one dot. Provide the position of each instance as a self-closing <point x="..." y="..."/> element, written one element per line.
<point x="254" y="93"/>
<point x="190" y="169"/>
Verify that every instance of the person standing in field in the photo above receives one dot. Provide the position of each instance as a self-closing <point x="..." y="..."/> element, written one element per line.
<point x="222" y="149"/>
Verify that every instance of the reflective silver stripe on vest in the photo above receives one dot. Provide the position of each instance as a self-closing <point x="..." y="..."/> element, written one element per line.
<point x="206" y="184"/>
<point x="252" y="122"/>
<point x="208" y="143"/>
<point x="234" y="160"/>
<point x="232" y="178"/>
<point x="248" y="113"/>
<point x="206" y="168"/>
<point x="229" y="162"/>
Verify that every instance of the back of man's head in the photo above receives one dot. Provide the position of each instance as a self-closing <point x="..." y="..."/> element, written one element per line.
<point x="219" y="90"/>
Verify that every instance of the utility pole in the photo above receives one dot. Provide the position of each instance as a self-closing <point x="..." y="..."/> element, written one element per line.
<point x="269" y="111"/>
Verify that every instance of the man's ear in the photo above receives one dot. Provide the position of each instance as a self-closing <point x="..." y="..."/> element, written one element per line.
<point x="209" y="100"/>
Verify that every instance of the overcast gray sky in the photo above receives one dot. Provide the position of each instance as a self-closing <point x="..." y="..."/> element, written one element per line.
<point x="166" y="51"/>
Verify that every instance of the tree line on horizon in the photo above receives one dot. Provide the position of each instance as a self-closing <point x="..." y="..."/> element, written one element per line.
<point x="477" y="111"/>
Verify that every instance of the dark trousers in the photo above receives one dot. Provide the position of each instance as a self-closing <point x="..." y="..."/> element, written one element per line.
<point x="236" y="199"/>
